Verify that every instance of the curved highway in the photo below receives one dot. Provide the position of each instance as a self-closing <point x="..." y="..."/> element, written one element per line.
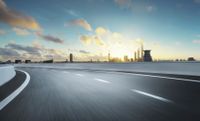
<point x="74" y="95"/>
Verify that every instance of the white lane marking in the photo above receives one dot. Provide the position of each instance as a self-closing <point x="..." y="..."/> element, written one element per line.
<point x="101" y="80"/>
<point x="81" y="75"/>
<point x="152" y="96"/>
<point x="161" y="77"/>
<point x="8" y="99"/>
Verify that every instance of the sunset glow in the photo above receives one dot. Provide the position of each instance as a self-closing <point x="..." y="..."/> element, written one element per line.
<point x="90" y="29"/>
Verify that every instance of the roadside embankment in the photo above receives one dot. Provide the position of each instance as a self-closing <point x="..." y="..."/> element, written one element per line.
<point x="7" y="72"/>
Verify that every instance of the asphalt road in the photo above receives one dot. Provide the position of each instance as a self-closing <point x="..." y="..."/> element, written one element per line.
<point x="71" y="95"/>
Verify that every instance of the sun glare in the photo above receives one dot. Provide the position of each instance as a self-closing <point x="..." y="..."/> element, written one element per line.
<point x="119" y="51"/>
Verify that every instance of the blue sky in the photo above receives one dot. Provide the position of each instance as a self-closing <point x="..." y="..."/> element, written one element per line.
<point x="92" y="28"/>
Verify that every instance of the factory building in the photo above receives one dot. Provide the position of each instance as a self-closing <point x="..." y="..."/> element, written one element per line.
<point x="147" y="56"/>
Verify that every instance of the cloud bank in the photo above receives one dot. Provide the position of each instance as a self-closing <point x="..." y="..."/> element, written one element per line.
<point x="16" y="18"/>
<point x="8" y="52"/>
<point x="50" y="38"/>
<point x="33" y="52"/>
<point x="27" y="49"/>
<point x="20" y="31"/>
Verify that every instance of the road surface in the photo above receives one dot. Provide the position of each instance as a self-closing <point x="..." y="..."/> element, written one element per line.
<point x="78" y="95"/>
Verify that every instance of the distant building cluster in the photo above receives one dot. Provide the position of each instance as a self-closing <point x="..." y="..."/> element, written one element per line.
<point x="71" y="58"/>
<point x="140" y="55"/>
<point x="189" y="59"/>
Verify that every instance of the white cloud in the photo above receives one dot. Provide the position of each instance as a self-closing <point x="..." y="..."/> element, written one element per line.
<point x="28" y="49"/>
<point x="134" y="6"/>
<point x="16" y="18"/>
<point x="104" y="41"/>
<point x="84" y="52"/>
<point x="35" y="52"/>
<point x="37" y="44"/>
<point x="99" y="41"/>
<point x="92" y="39"/>
<point x="21" y="31"/>
<point x="86" y="39"/>
<point x="50" y="38"/>
<point x="72" y="12"/>
<point x="196" y="41"/>
<point x="100" y="31"/>
<point x="8" y="52"/>
<point x="103" y="37"/>
<point x="2" y="32"/>
<point x="150" y="8"/>
<point x="80" y="22"/>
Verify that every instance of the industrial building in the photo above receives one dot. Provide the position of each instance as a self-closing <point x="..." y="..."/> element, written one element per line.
<point x="126" y="58"/>
<point x="142" y="55"/>
<point x="191" y="59"/>
<point x="18" y="61"/>
<point x="147" y="56"/>
<point x="71" y="58"/>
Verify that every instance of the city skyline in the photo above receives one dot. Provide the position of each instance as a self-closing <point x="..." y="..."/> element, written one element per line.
<point x="90" y="29"/>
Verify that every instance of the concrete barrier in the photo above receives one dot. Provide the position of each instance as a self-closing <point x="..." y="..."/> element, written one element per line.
<point x="185" y="68"/>
<point x="7" y="72"/>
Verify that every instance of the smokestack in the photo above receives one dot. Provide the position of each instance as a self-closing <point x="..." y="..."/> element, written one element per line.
<point x="142" y="52"/>
<point x="135" y="55"/>
<point x="108" y="57"/>
<point x="138" y="54"/>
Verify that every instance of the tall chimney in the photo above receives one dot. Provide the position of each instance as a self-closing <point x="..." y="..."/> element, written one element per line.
<point x="135" y="55"/>
<point x="108" y="57"/>
<point x="142" y="52"/>
<point x="138" y="54"/>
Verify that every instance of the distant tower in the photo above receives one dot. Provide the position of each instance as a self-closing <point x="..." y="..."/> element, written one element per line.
<point x="108" y="57"/>
<point x="126" y="58"/>
<point x="138" y="54"/>
<point x="135" y="56"/>
<point x="71" y="58"/>
<point x="147" y="56"/>
<point x="142" y="52"/>
<point x="131" y="59"/>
